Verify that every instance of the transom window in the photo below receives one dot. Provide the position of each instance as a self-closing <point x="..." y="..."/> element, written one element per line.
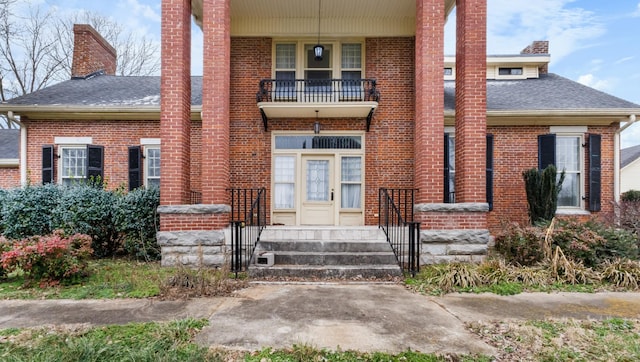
<point x="510" y="71"/>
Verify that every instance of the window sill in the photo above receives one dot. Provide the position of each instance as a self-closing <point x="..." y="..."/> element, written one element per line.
<point x="570" y="212"/>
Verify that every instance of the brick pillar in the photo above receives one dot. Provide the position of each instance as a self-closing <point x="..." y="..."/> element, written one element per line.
<point x="175" y="108"/>
<point x="471" y="100"/>
<point x="429" y="107"/>
<point x="215" y="102"/>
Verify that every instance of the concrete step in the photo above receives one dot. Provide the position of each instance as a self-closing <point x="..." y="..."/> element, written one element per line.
<point x="324" y="252"/>
<point x="324" y="271"/>
<point x="323" y="245"/>
<point x="334" y="258"/>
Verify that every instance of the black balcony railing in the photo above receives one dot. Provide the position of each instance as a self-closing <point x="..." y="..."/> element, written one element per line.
<point x="318" y="90"/>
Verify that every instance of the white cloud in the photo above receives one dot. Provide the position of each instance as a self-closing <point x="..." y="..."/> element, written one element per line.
<point x="622" y="60"/>
<point x="511" y="28"/>
<point x="636" y="13"/>
<point x="591" y="81"/>
<point x="136" y="8"/>
<point x="630" y="136"/>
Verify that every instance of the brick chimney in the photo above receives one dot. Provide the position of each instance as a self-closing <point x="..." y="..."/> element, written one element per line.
<point x="91" y="53"/>
<point x="538" y="47"/>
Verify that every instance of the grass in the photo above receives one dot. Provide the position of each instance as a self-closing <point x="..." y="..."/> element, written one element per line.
<point x="122" y="278"/>
<point x="549" y="340"/>
<point x="108" y="278"/>
<point x="562" y="340"/>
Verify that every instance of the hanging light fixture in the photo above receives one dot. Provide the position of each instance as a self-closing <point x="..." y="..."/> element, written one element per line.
<point x="316" y="125"/>
<point x="318" y="49"/>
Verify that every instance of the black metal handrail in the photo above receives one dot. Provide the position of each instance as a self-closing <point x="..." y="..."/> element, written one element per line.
<point x="317" y="90"/>
<point x="248" y="219"/>
<point x="395" y="218"/>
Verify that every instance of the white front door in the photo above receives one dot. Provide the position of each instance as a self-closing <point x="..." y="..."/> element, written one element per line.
<point x="318" y="190"/>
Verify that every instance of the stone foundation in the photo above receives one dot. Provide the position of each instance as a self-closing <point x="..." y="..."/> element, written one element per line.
<point x="192" y="248"/>
<point x="453" y="232"/>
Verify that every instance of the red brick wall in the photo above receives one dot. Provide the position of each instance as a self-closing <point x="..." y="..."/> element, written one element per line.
<point x="91" y="52"/>
<point x="216" y="101"/>
<point x="175" y="109"/>
<point x="9" y="177"/>
<point x="115" y="136"/>
<point x="515" y="150"/>
<point x="429" y="98"/>
<point x="471" y="100"/>
<point x="187" y="222"/>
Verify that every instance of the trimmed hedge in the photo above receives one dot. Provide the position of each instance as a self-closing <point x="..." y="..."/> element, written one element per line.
<point x="116" y="222"/>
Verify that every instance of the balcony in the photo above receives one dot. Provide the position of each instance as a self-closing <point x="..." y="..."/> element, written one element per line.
<point x="311" y="98"/>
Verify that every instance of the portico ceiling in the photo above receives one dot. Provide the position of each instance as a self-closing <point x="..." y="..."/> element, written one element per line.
<point x="339" y="17"/>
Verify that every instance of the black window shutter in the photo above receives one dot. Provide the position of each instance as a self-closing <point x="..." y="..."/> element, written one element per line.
<point x="546" y="150"/>
<point x="447" y="191"/>
<point x="47" y="164"/>
<point x="490" y="171"/>
<point x="135" y="167"/>
<point x="95" y="156"/>
<point x="594" y="172"/>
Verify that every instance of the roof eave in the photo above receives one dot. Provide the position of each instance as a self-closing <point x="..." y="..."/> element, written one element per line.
<point x="552" y="117"/>
<point x="117" y="113"/>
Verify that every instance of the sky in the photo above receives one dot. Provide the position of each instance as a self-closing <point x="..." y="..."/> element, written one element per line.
<point x="594" y="42"/>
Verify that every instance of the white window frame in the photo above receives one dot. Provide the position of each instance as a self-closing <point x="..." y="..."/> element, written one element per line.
<point x="61" y="164"/>
<point x="580" y="172"/>
<point x="147" y="158"/>
<point x="336" y="60"/>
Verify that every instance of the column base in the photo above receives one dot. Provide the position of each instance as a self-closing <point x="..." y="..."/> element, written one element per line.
<point x="453" y="232"/>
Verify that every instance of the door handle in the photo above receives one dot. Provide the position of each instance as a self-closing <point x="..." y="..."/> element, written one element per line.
<point x="331" y="194"/>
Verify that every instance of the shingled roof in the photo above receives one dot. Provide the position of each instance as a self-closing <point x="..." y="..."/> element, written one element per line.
<point x="628" y="155"/>
<point x="9" y="143"/>
<point x="549" y="92"/>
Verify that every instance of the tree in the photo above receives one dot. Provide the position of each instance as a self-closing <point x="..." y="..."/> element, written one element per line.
<point x="542" y="187"/>
<point x="34" y="49"/>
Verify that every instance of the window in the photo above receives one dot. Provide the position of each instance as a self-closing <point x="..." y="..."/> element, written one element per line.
<point x="510" y="71"/>
<point x="351" y="182"/>
<point x="284" y="182"/>
<point x="568" y="160"/>
<point x="285" y="84"/>
<point x="77" y="163"/>
<point x="152" y="166"/>
<point x="74" y="164"/>
<point x="448" y="71"/>
<point x="565" y="151"/>
<point x="450" y="171"/>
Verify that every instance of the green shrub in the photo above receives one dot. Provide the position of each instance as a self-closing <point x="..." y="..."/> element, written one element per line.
<point x="542" y="187"/>
<point x="631" y="195"/>
<point x="28" y="211"/>
<point x="3" y="197"/>
<point x="49" y="259"/>
<point x="594" y="242"/>
<point x="137" y="219"/>
<point x="89" y="209"/>
<point x="522" y="245"/>
<point x="5" y="245"/>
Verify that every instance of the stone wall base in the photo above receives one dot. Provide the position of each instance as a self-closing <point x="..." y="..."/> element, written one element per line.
<point x="453" y="232"/>
<point x="196" y="248"/>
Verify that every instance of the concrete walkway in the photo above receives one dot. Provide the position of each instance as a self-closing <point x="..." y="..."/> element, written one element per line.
<point x="365" y="317"/>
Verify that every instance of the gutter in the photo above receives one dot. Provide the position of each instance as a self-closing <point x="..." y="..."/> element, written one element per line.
<point x="22" y="164"/>
<point x="616" y="157"/>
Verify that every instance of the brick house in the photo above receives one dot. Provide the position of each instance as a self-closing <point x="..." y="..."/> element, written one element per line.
<point x="381" y="108"/>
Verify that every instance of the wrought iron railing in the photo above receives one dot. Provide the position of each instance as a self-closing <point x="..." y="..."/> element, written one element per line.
<point x="395" y="218"/>
<point x="317" y="90"/>
<point x="248" y="219"/>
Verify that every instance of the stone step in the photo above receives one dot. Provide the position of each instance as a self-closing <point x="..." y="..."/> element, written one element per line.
<point x="354" y="234"/>
<point x="323" y="245"/>
<point x="333" y="258"/>
<point x="324" y="271"/>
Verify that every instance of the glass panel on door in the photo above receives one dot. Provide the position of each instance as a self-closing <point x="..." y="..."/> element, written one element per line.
<point x="317" y="180"/>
